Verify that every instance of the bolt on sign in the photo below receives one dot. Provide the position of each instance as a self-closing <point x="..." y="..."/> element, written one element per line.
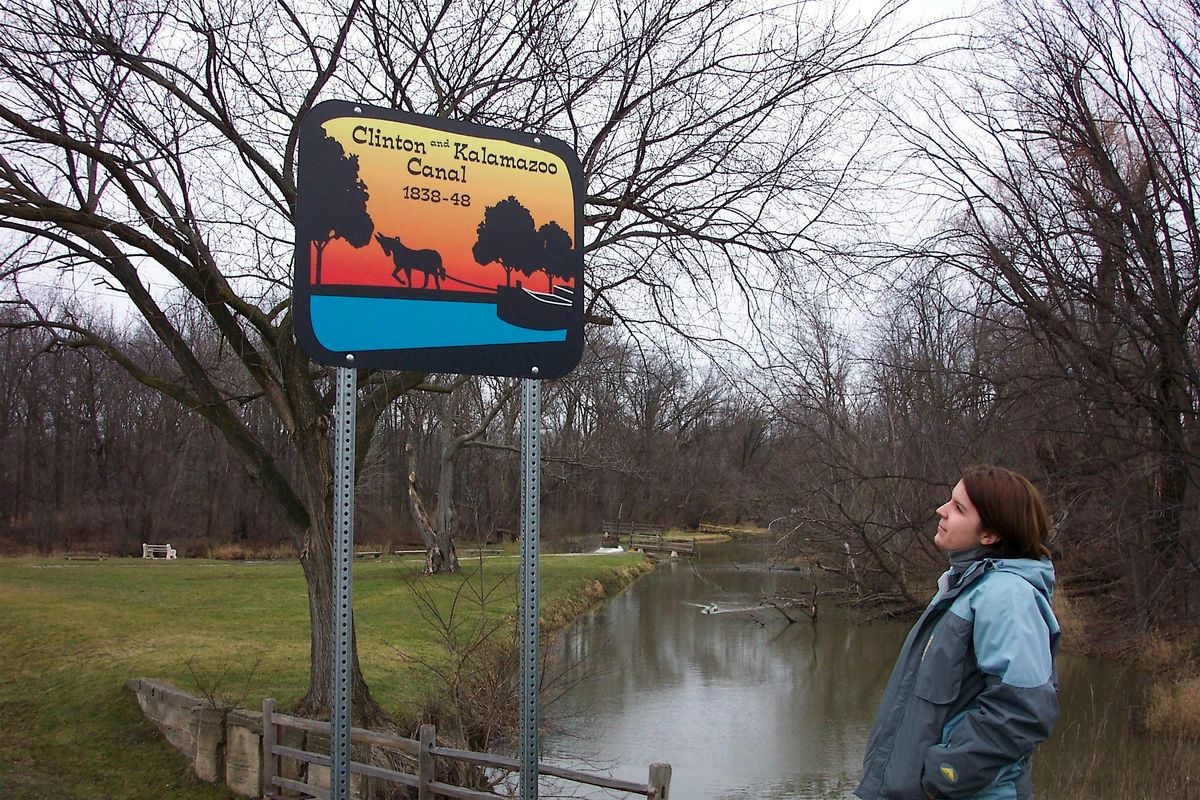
<point x="434" y="245"/>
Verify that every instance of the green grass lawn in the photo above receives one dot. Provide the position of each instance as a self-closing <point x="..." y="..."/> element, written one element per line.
<point x="72" y="633"/>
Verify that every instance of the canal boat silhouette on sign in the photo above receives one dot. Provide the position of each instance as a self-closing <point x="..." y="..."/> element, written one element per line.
<point x="539" y="311"/>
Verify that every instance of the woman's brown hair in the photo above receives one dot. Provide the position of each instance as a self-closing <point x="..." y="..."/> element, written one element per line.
<point x="1010" y="507"/>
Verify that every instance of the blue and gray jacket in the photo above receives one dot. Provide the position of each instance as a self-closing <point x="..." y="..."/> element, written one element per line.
<point x="974" y="690"/>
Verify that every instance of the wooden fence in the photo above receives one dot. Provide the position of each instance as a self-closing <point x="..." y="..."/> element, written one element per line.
<point x="708" y="527"/>
<point x="618" y="529"/>
<point x="426" y="753"/>
<point x="658" y="543"/>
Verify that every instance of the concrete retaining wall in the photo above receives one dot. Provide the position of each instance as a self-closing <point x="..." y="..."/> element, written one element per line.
<point x="222" y="744"/>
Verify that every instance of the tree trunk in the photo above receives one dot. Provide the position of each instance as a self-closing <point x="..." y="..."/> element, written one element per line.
<point x="318" y="571"/>
<point x="445" y="516"/>
<point x="449" y="445"/>
<point x="440" y="555"/>
<point x="1169" y="546"/>
<point x="434" y="556"/>
<point x="315" y="481"/>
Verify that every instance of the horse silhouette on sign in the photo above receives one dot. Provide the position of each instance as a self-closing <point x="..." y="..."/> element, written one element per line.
<point x="426" y="261"/>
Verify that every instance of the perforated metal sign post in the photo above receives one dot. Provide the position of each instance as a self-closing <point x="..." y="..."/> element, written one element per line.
<point x="489" y="223"/>
<point x="531" y="471"/>
<point x="343" y="545"/>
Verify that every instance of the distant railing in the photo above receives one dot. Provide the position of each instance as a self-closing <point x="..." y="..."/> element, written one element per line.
<point x="619" y="529"/>
<point x="426" y="752"/>
<point x="708" y="527"/>
<point x="658" y="543"/>
<point x="75" y="555"/>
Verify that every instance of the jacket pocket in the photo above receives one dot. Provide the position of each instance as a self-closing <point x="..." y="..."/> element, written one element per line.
<point x="943" y="663"/>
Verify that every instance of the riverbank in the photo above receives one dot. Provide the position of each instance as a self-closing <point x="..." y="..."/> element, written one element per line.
<point x="1169" y="657"/>
<point x="715" y="534"/>
<point x="690" y="647"/>
<point x="234" y="632"/>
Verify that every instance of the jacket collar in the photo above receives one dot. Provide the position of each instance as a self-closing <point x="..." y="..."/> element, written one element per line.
<point x="961" y="559"/>
<point x="963" y="564"/>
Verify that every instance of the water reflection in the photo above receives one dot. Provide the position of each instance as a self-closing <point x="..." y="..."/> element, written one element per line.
<point x="744" y="705"/>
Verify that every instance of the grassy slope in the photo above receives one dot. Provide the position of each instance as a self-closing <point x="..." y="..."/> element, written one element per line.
<point x="72" y="634"/>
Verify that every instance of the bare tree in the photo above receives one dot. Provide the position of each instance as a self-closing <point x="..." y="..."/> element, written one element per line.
<point x="458" y="432"/>
<point x="456" y="426"/>
<point x="1071" y="165"/>
<point x="123" y="149"/>
<point x="153" y="142"/>
<point x="719" y="139"/>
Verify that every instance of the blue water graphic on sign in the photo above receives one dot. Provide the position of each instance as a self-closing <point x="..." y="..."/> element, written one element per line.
<point x="350" y="324"/>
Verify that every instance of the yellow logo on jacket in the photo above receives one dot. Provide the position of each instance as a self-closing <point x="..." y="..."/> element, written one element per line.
<point x="949" y="773"/>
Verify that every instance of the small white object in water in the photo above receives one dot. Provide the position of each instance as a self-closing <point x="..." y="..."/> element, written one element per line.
<point x="707" y="608"/>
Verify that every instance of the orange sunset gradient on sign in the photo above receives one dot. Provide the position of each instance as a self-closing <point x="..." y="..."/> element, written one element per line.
<point x="389" y="152"/>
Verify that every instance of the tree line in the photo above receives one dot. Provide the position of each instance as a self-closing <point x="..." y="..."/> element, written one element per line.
<point x="95" y="460"/>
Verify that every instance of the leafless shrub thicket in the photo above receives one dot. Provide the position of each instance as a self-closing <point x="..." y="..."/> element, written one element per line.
<point x="94" y="460"/>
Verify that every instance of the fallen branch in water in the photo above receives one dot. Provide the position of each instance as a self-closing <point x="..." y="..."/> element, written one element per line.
<point x="782" y="603"/>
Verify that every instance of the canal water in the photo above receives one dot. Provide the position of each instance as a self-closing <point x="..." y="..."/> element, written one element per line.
<point x="687" y="667"/>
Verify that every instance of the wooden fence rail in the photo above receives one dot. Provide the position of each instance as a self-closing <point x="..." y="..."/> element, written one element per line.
<point x="426" y="752"/>
<point x="708" y="527"/>
<point x="619" y="529"/>
<point x="657" y="543"/>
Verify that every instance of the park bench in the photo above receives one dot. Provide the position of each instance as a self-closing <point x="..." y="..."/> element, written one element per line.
<point x="282" y="777"/>
<point x="159" y="551"/>
<point x="80" y="556"/>
<point x="375" y="554"/>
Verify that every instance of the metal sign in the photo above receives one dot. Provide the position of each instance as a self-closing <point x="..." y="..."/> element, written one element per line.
<point x="490" y="224"/>
<point x="433" y="245"/>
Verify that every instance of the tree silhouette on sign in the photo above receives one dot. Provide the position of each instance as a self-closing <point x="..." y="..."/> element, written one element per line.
<point x="342" y="214"/>
<point x="507" y="236"/>
<point x="555" y="253"/>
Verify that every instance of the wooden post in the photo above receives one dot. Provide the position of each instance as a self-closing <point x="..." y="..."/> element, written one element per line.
<point x="270" y="761"/>
<point x="660" y="781"/>
<point x="426" y="767"/>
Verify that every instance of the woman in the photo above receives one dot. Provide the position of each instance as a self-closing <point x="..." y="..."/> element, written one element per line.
<point x="974" y="690"/>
